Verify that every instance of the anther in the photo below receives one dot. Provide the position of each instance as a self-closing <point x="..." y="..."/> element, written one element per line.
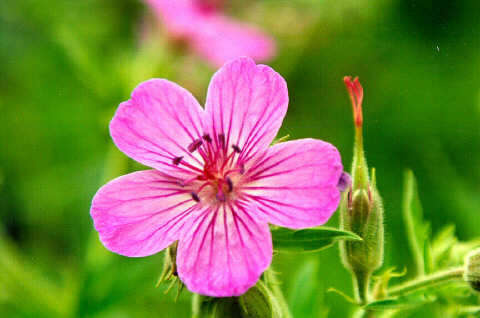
<point x="207" y="138"/>
<point x="195" y="197"/>
<point x="242" y="168"/>
<point x="344" y="182"/>
<point x="236" y="148"/>
<point x="194" y="145"/>
<point x="177" y="160"/>
<point x="229" y="184"/>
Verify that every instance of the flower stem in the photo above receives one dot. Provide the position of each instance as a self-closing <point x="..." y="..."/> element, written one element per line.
<point x="196" y="303"/>
<point x="448" y="275"/>
<point x="361" y="313"/>
<point x="361" y="283"/>
<point x="359" y="166"/>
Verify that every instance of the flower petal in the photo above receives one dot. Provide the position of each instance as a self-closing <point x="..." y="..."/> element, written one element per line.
<point x="246" y="103"/>
<point x="211" y="34"/>
<point x="157" y="124"/>
<point x="294" y="184"/>
<point x="141" y="213"/>
<point x="180" y="17"/>
<point x="221" y="39"/>
<point x="224" y="252"/>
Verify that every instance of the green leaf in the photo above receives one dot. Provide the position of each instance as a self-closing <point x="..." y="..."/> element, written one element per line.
<point x="399" y="302"/>
<point x="468" y="310"/>
<point x="309" y="240"/>
<point x="305" y="299"/>
<point x="418" y="231"/>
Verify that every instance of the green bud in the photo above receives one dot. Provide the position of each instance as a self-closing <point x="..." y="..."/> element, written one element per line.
<point x="472" y="269"/>
<point x="257" y="302"/>
<point x="361" y="210"/>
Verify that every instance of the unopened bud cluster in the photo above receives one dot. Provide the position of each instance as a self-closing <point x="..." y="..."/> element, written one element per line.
<point x="361" y="210"/>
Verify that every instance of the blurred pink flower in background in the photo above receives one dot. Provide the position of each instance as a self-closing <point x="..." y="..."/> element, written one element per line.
<point x="210" y="33"/>
<point x="216" y="183"/>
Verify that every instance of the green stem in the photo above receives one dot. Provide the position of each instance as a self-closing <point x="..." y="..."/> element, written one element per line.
<point x="361" y="284"/>
<point x="445" y="276"/>
<point x="361" y="313"/>
<point x="359" y="165"/>
<point x="196" y="303"/>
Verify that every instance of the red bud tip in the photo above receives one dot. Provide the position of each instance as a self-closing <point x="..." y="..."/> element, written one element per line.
<point x="355" y="90"/>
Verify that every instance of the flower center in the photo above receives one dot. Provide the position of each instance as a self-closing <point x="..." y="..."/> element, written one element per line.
<point x="223" y="170"/>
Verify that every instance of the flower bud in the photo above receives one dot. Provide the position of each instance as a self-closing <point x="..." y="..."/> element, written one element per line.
<point x="257" y="302"/>
<point x="361" y="209"/>
<point x="472" y="269"/>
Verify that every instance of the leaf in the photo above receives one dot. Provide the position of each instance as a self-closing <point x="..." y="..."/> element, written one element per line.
<point x="400" y="302"/>
<point x="305" y="298"/>
<point x="418" y="231"/>
<point x="468" y="310"/>
<point x="313" y="239"/>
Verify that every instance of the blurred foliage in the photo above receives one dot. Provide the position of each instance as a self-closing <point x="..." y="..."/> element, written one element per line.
<point x="65" y="66"/>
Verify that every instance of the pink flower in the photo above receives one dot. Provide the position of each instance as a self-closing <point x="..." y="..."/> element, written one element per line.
<point x="216" y="183"/>
<point x="210" y="33"/>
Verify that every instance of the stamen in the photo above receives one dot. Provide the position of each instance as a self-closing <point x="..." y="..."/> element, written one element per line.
<point x="203" y="186"/>
<point x="220" y="196"/>
<point x="194" y="145"/>
<point x="184" y="183"/>
<point x="242" y="168"/>
<point x="177" y="160"/>
<point x="230" y="184"/>
<point x="236" y="148"/>
<point x="207" y="138"/>
<point x="221" y="139"/>
<point x="195" y="197"/>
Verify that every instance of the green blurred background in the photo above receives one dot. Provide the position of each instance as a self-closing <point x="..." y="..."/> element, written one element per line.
<point x="66" y="65"/>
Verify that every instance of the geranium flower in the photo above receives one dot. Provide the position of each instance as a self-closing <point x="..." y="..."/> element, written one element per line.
<point x="216" y="183"/>
<point x="210" y="33"/>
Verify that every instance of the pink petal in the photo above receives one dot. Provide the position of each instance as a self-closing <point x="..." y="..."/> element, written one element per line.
<point x="157" y="124"/>
<point x="221" y="39"/>
<point x="295" y="183"/>
<point x="181" y="17"/>
<point x="224" y="252"/>
<point x="141" y="213"/>
<point x="246" y="103"/>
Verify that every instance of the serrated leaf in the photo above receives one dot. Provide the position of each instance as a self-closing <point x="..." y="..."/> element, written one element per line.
<point x="309" y="240"/>
<point x="418" y="231"/>
<point x="399" y="302"/>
